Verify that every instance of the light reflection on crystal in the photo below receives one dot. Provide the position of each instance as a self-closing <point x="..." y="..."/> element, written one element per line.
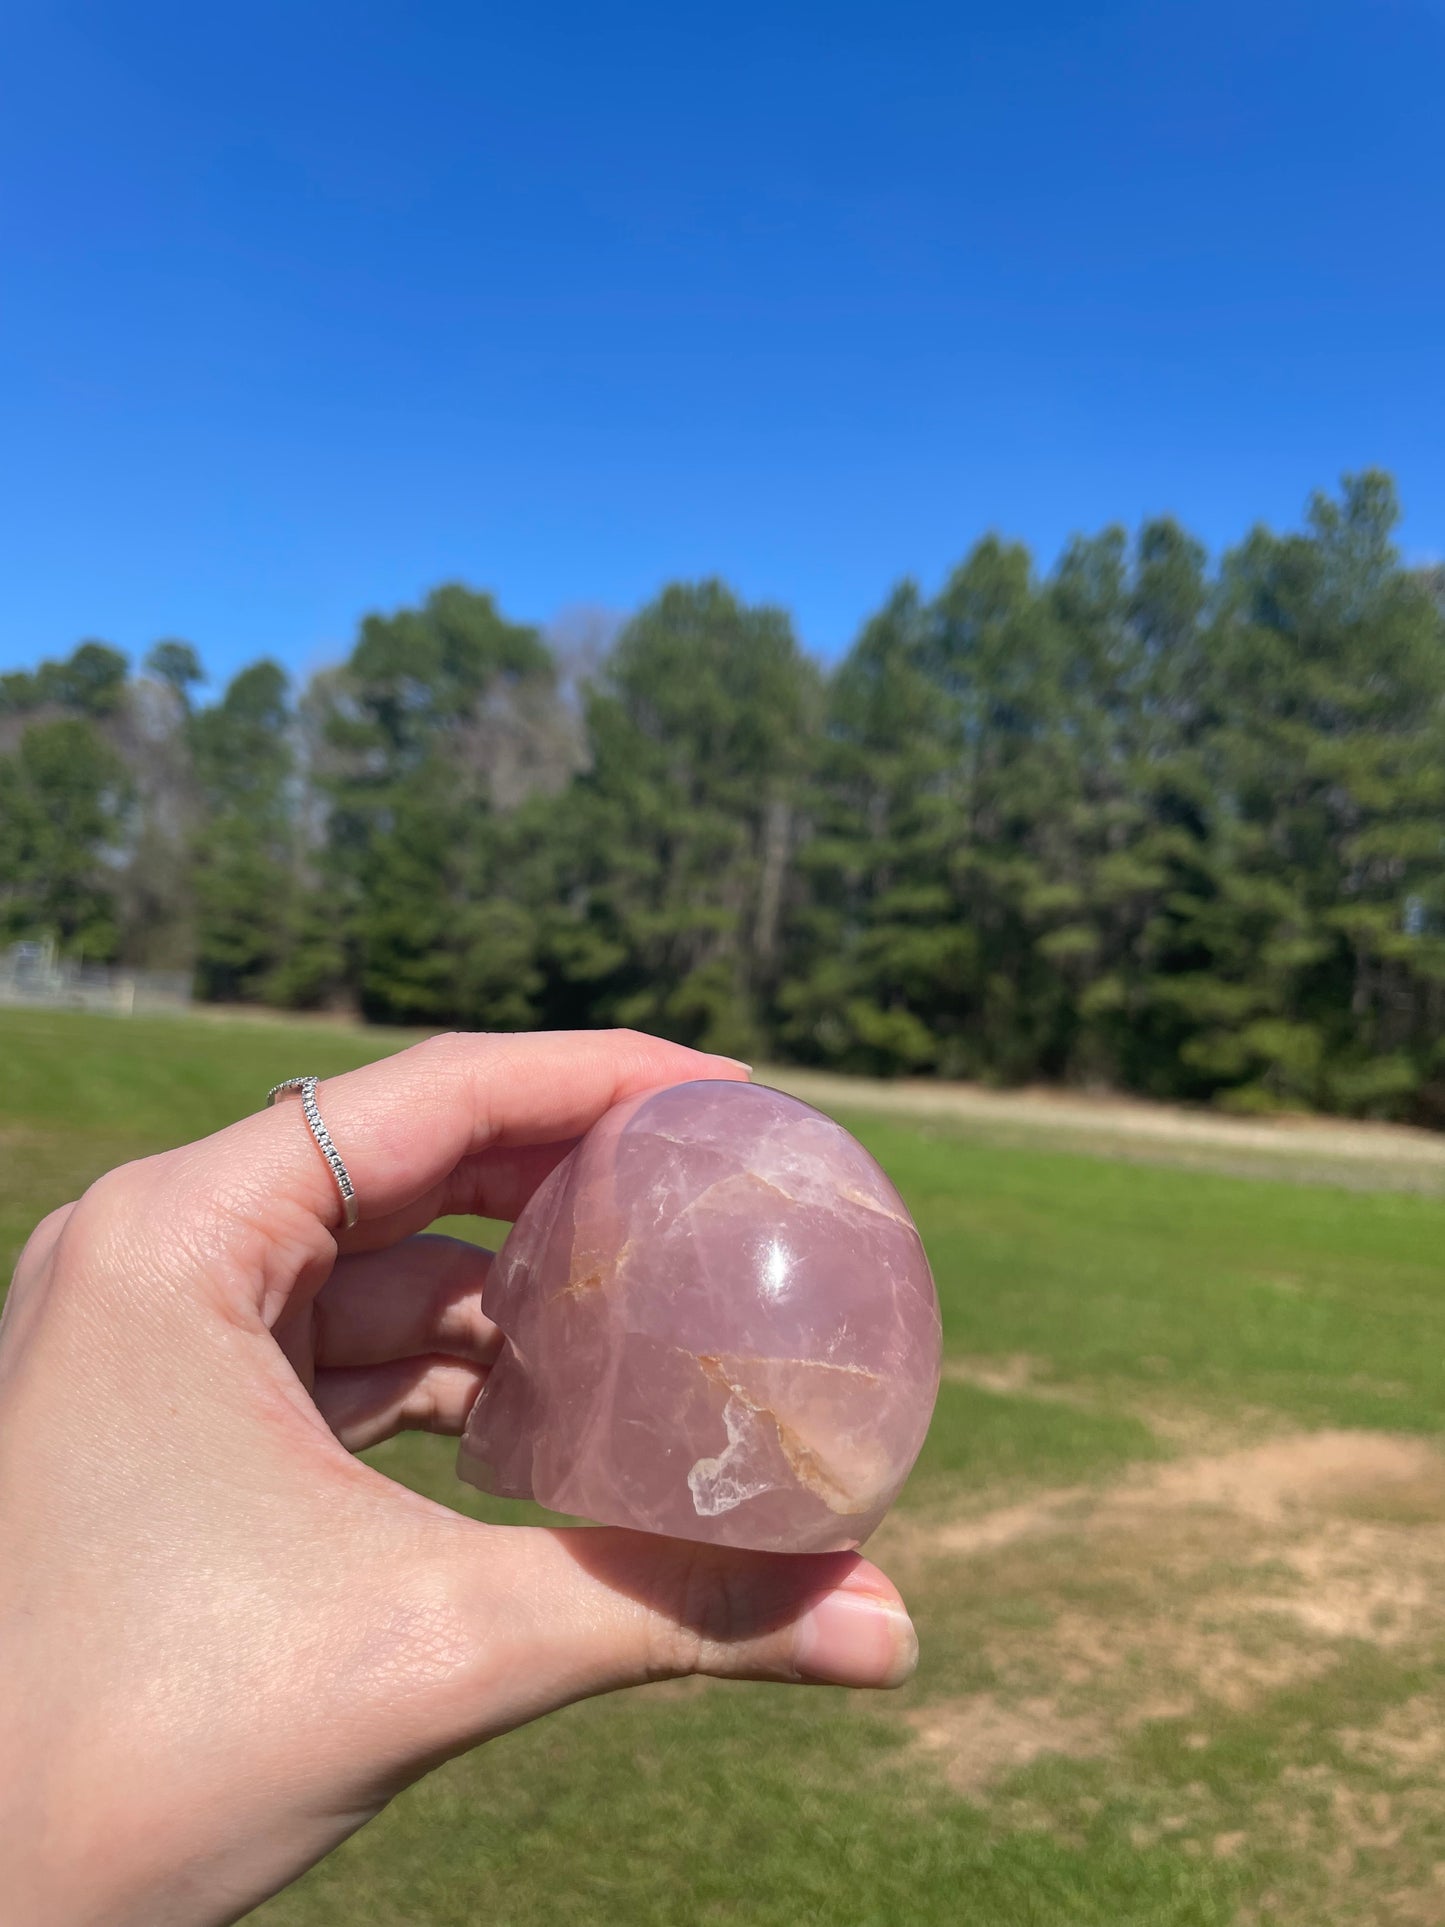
<point x="773" y="1274"/>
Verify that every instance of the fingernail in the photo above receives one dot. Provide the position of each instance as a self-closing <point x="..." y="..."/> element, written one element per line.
<point x="852" y="1639"/>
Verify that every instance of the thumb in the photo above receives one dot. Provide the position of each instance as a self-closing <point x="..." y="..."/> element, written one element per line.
<point x="563" y="1614"/>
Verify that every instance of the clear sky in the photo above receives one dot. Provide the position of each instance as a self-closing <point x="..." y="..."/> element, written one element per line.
<point x="305" y="307"/>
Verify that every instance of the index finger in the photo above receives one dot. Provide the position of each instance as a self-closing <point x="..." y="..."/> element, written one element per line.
<point x="403" y="1124"/>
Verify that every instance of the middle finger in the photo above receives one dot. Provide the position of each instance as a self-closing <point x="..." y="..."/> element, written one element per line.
<point x="418" y="1297"/>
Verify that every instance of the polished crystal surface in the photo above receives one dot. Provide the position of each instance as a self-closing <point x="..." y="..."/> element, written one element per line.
<point x="720" y="1324"/>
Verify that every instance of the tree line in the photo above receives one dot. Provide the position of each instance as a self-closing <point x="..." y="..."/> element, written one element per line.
<point x="1140" y="821"/>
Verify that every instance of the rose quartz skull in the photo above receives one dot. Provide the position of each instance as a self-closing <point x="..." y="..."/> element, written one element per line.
<point x="720" y="1324"/>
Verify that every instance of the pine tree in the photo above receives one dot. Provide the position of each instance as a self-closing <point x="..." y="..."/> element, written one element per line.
<point x="685" y="823"/>
<point x="245" y="843"/>
<point x="64" y="796"/>
<point x="431" y="700"/>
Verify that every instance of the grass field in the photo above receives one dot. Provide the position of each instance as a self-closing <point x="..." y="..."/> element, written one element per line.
<point x="1176" y="1550"/>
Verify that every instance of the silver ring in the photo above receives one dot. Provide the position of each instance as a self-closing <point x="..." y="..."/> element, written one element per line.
<point x="307" y="1088"/>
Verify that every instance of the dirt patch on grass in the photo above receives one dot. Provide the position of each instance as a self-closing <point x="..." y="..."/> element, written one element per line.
<point x="1016" y="1375"/>
<point x="1369" y="1476"/>
<point x="1378" y="1846"/>
<point x="976" y="1740"/>
<point x="1017" y="1372"/>
<point x="1050" y="1512"/>
<point x="1316" y="1471"/>
<point x="1409" y="1739"/>
<point x="1210" y="1582"/>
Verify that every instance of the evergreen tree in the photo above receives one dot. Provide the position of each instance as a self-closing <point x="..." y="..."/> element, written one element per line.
<point x="245" y="841"/>
<point x="878" y="952"/>
<point x="428" y="702"/>
<point x="1130" y="822"/>
<point x="1319" y="983"/>
<point x="63" y="800"/>
<point x="685" y="824"/>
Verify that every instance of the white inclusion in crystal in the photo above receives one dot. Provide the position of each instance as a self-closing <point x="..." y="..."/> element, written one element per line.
<point x="717" y="1485"/>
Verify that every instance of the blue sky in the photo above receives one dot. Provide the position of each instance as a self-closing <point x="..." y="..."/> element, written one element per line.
<point x="306" y="307"/>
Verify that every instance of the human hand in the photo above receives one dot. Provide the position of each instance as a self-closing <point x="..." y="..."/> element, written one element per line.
<point x="226" y="1642"/>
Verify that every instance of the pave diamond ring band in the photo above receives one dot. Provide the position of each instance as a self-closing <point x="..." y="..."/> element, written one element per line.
<point x="307" y="1088"/>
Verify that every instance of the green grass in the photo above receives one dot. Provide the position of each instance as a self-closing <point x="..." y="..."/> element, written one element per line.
<point x="1322" y="1302"/>
<point x="745" y="1806"/>
<point x="1128" y="1710"/>
<point x="998" y="1443"/>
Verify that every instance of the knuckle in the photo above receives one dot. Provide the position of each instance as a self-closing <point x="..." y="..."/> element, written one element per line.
<point x="443" y="1044"/>
<point x="446" y="1063"/>
<point x="455" y="1311"/>
<point x="429" y="1392"/>
<point x="138" y="1207"/>
<point x="422" y="1408"/>
<point x="633" y="1053"/>
<point x="700" y="1611"/>
<point x="114" y="1199"/>
<point x="450" y="1050"/>
<point x="69" y="1243"/>
<point x="40" y="1245"/>
<point x="430" y="1059"/>
<point x="49" y="1228"/>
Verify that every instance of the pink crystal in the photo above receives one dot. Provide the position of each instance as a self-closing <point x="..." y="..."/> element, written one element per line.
<point x="720" y="1324"/>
